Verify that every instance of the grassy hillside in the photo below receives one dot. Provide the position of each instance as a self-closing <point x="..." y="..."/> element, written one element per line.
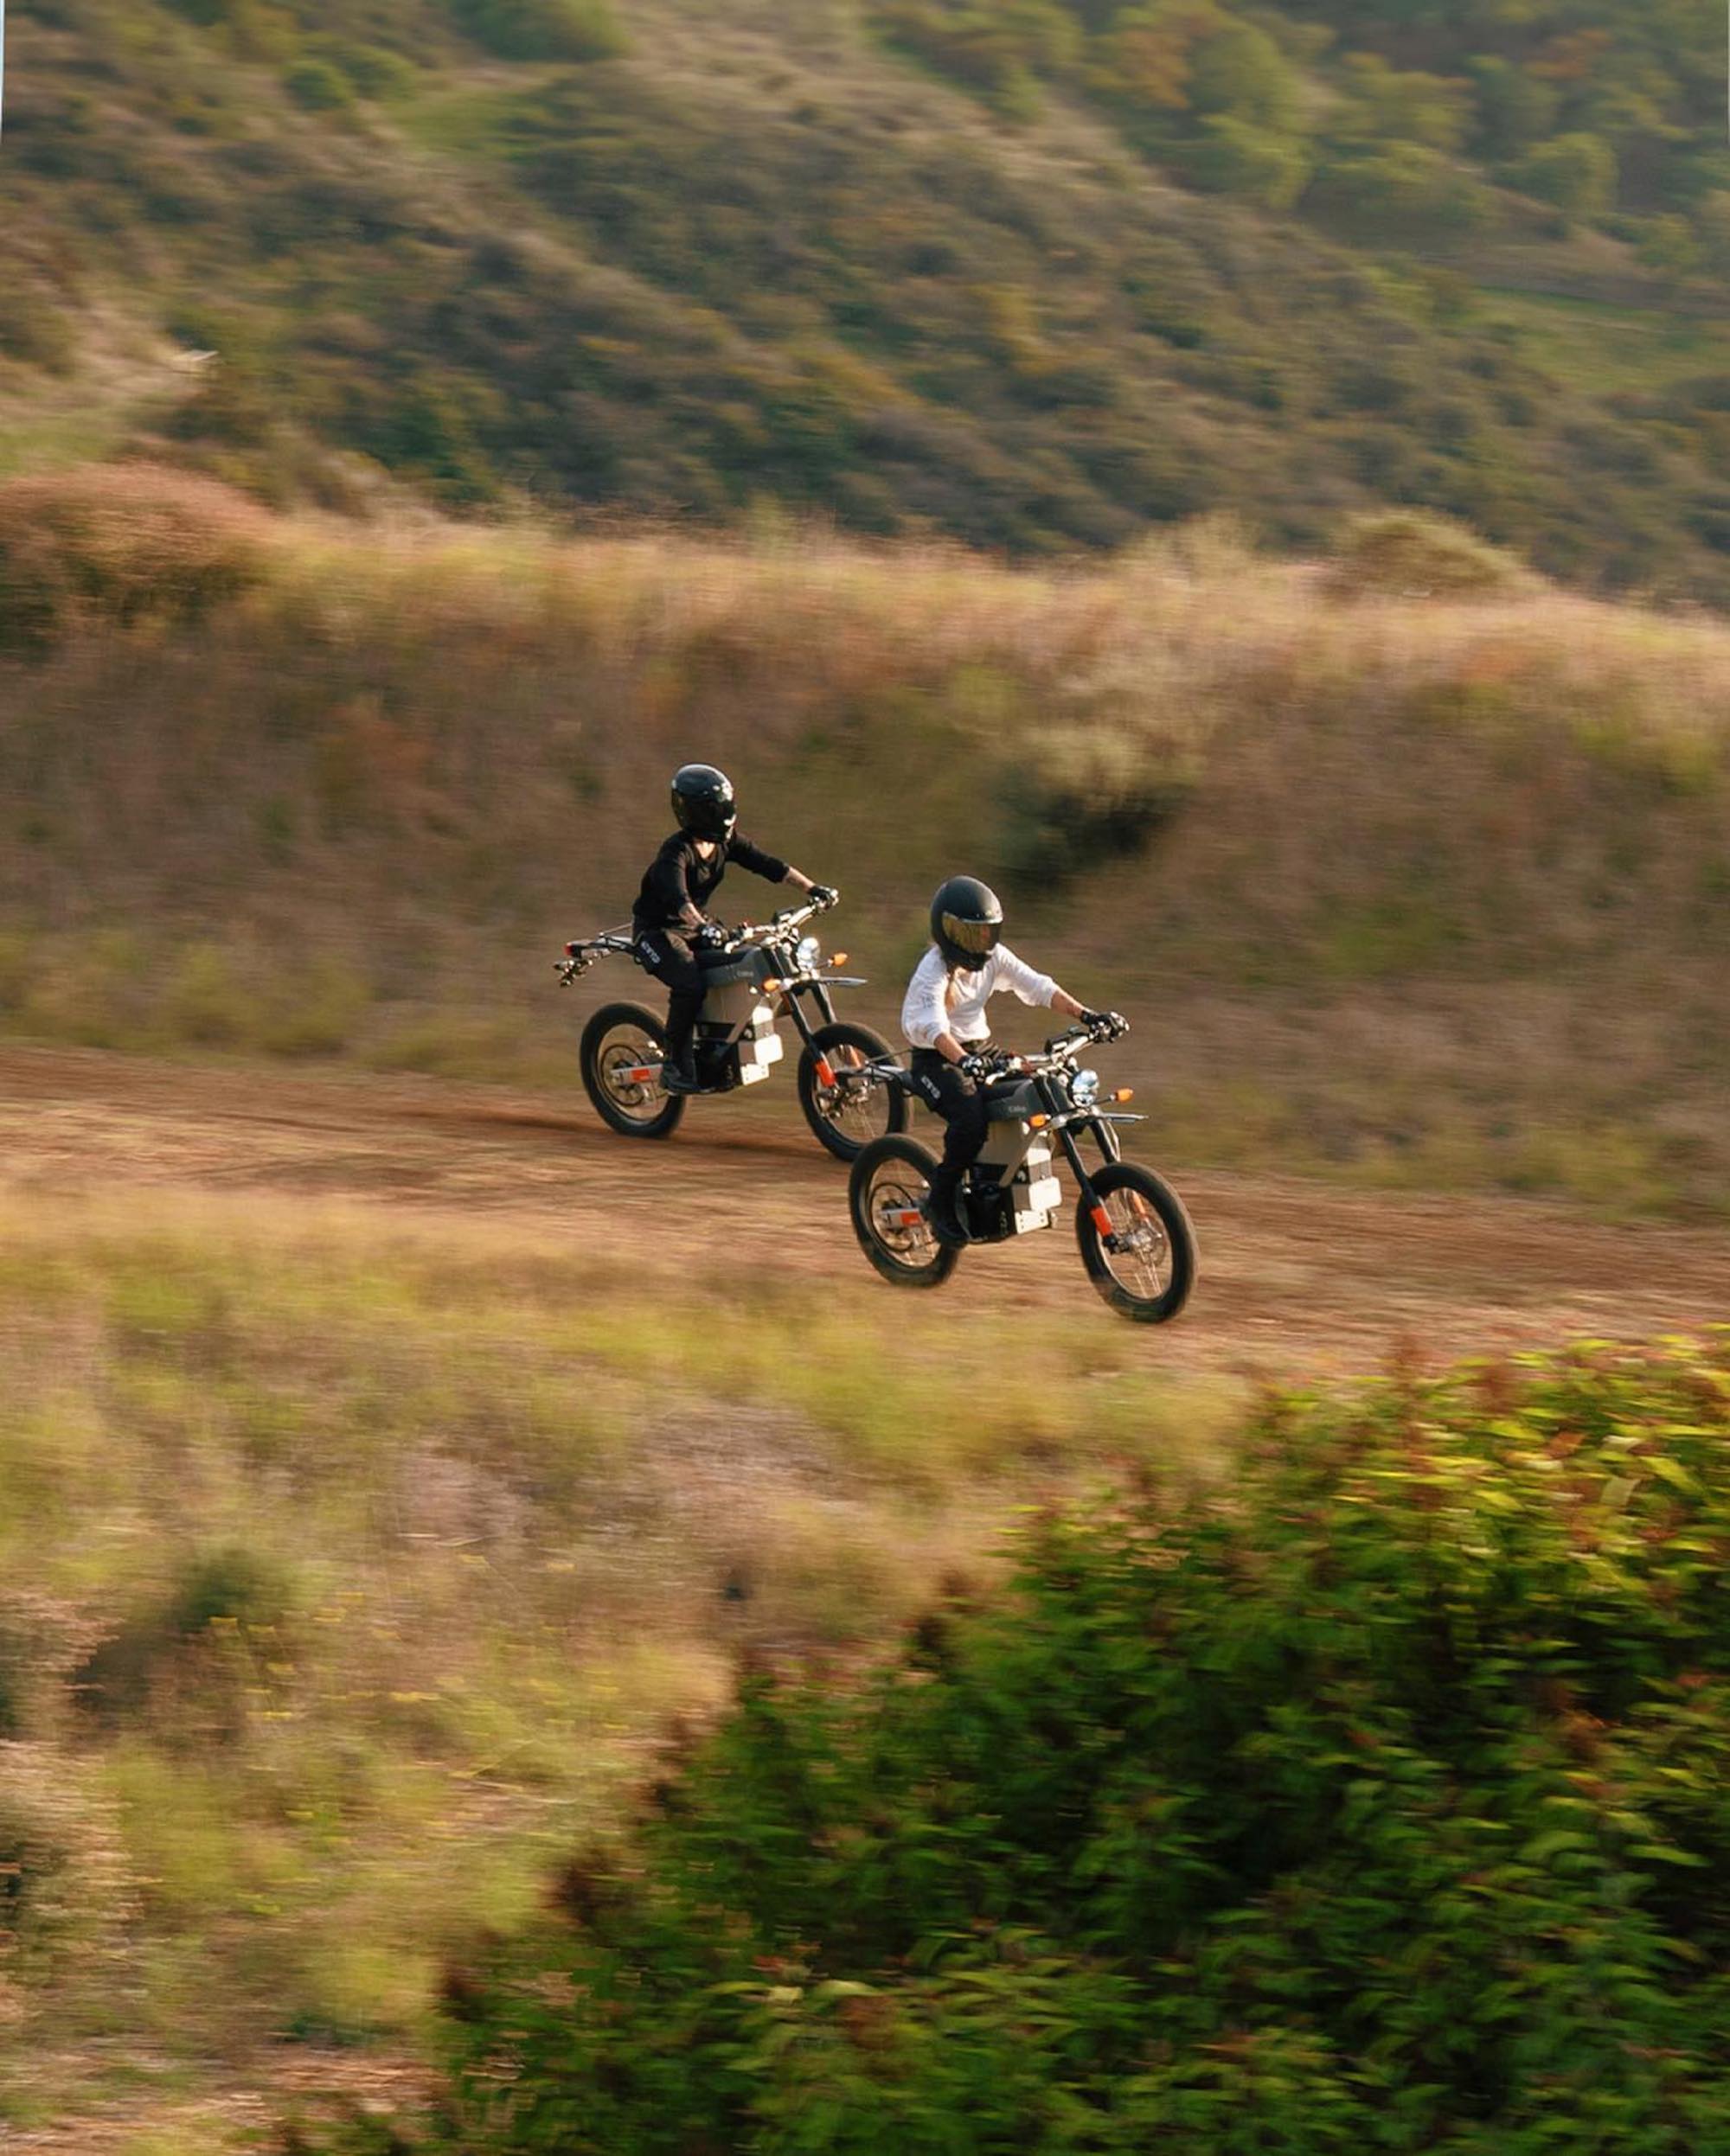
<point x="1429" y="890"/>
<point x="924" y="265"/>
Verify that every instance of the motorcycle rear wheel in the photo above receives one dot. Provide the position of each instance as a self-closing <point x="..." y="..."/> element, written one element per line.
<point x="891" y="1177"/>
<point x="619" y="1038"/>
<point x="846" y="1116"/>
<point x="1148" y="1276"/>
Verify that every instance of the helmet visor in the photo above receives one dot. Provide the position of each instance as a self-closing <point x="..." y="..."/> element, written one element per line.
<point x="977" y="938"/>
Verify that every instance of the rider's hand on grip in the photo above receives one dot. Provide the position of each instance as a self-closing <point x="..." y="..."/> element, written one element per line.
<point x="825" y="895"/>
<point x="978" y="1068"/>
<point x="710" y="936"/>
<point x="1113" y="1024"/>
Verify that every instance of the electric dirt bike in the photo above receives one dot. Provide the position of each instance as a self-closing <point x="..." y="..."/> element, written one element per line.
<point x="753" y="978"/>
<point x="1135" y="1239"/>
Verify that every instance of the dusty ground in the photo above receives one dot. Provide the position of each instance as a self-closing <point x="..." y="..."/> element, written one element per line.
<point x="1295" y="1275"/>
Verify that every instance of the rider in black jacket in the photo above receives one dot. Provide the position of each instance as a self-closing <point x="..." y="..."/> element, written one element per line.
<point x="671" y="920"/>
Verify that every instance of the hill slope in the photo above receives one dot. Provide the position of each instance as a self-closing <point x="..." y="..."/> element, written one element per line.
<point x="1428" y="890"/>
<point x="705" y="255"/>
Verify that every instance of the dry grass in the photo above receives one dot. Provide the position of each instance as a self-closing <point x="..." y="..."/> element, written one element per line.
<point x="353" y="810"/>
<point x="340" y="1561"/>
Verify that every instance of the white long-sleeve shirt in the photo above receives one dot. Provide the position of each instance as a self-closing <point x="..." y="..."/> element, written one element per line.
<point x="939" y="1002"/>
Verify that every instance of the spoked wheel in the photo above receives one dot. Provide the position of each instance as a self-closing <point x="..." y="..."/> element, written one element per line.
<point x="624" y="1047"/>
<point x="851" y="1108"/>
<point x="887" y="1191"/>
<point x="1141" y="1255"/>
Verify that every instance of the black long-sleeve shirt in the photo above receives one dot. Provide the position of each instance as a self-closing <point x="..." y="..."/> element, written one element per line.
<point x="680" y="883"/>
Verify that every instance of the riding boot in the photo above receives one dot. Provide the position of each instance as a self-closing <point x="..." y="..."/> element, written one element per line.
<point x="679" y="1074"/>
<point x="678" y="1063"/>
<point x="940" y="1207"/>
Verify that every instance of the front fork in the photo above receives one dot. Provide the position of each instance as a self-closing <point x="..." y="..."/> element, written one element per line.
<point x="792" y="1003"/>
<point x="1107" y="1138"/>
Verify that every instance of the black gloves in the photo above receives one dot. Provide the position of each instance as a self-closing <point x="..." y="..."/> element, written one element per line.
<point x="825" y="895"/>
<point x="983" y="1065"/>
<point x="710" y="935"/>
<point x="1112" y="1022"/>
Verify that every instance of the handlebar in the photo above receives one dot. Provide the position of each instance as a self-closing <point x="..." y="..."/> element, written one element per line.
<point x="1064" y="1047"/>
<point x="784" y="922"/>
<point x="581" y="955"/>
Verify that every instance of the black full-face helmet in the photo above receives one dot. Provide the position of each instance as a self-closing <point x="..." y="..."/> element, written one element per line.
<point x="702" y="801"/>
<point x="966" y="922"/>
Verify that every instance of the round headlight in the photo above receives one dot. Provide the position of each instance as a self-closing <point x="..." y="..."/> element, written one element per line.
<point x="1083" y="1088"/>
<point x="810" y="954"/>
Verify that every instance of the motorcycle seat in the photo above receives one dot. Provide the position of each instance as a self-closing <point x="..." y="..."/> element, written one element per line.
<point x="1012" y="1101"/>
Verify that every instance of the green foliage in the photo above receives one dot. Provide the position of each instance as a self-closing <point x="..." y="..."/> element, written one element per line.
<point x="1230" y="157"/>
<point x="197" y="1634"/>
<point x="542" y="29"/>
<point x="1377" y="1804"/>
<point x="665" y="291"/>
<point x="1577" y="173"/>
<point x="319" y="87"/>
<point x="1556" y="97"/>
<point x="1001" y="47"/>
<point x="1403" y="554"/>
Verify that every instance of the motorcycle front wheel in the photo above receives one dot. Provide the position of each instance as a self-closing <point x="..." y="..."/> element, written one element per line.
<point x="854" y="1107"/>
<point x="1139" y="1250"/>
<point x="623" y="1049"/>
<point x="888" y="1193"/>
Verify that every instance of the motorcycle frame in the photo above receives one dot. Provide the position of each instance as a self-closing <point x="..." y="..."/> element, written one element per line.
<point x="1066" y="1121"/>
<point x="779" y="963"/>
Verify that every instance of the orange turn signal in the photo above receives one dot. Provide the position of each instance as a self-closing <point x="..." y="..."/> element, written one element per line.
<point x="838" y="958"/>
<point x="773" y="987"/>
<point x="1037" y="1122"/>
<point x="1124" y="1092"/>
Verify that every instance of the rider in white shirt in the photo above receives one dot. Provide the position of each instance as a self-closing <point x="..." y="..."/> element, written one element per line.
<point x="945" y="1021"/>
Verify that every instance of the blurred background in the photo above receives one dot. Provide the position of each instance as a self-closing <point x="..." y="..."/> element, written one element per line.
<point x="1249" y="478"/>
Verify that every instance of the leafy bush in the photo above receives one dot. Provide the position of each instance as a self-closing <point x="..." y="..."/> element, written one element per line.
<point x="1001" y="48"/>
<point x="1577" y="173"/>
<point x="1405" y="554"/>
<point x="542" y="29"/>
<point x="319" y="86"/>
<point x="120" y="543"/>
<point x="1379" y="1803"/>
<point x="198" y="1630"/>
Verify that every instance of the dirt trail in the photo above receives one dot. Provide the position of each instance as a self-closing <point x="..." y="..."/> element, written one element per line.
<point x="1295" y="1275"/>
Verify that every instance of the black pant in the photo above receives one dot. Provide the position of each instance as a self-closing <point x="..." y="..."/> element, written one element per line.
<point x="667" y="954"/>
<point x="948" y="1090"/>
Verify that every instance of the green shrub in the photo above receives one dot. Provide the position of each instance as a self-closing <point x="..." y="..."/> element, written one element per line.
<point x="1085" y="793"/>
<point x="1379" y="1803"/>
<point x="375" y="71"/>
<point x="1576" y="173"/>
<point x="542" y="29"/>
<point x="197" y="1630"/>
<point x="208" y="1001"/>
<point x="319" y="87"/>
<point x="1406" y="553"/>
<point x="1229" y="157"/>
